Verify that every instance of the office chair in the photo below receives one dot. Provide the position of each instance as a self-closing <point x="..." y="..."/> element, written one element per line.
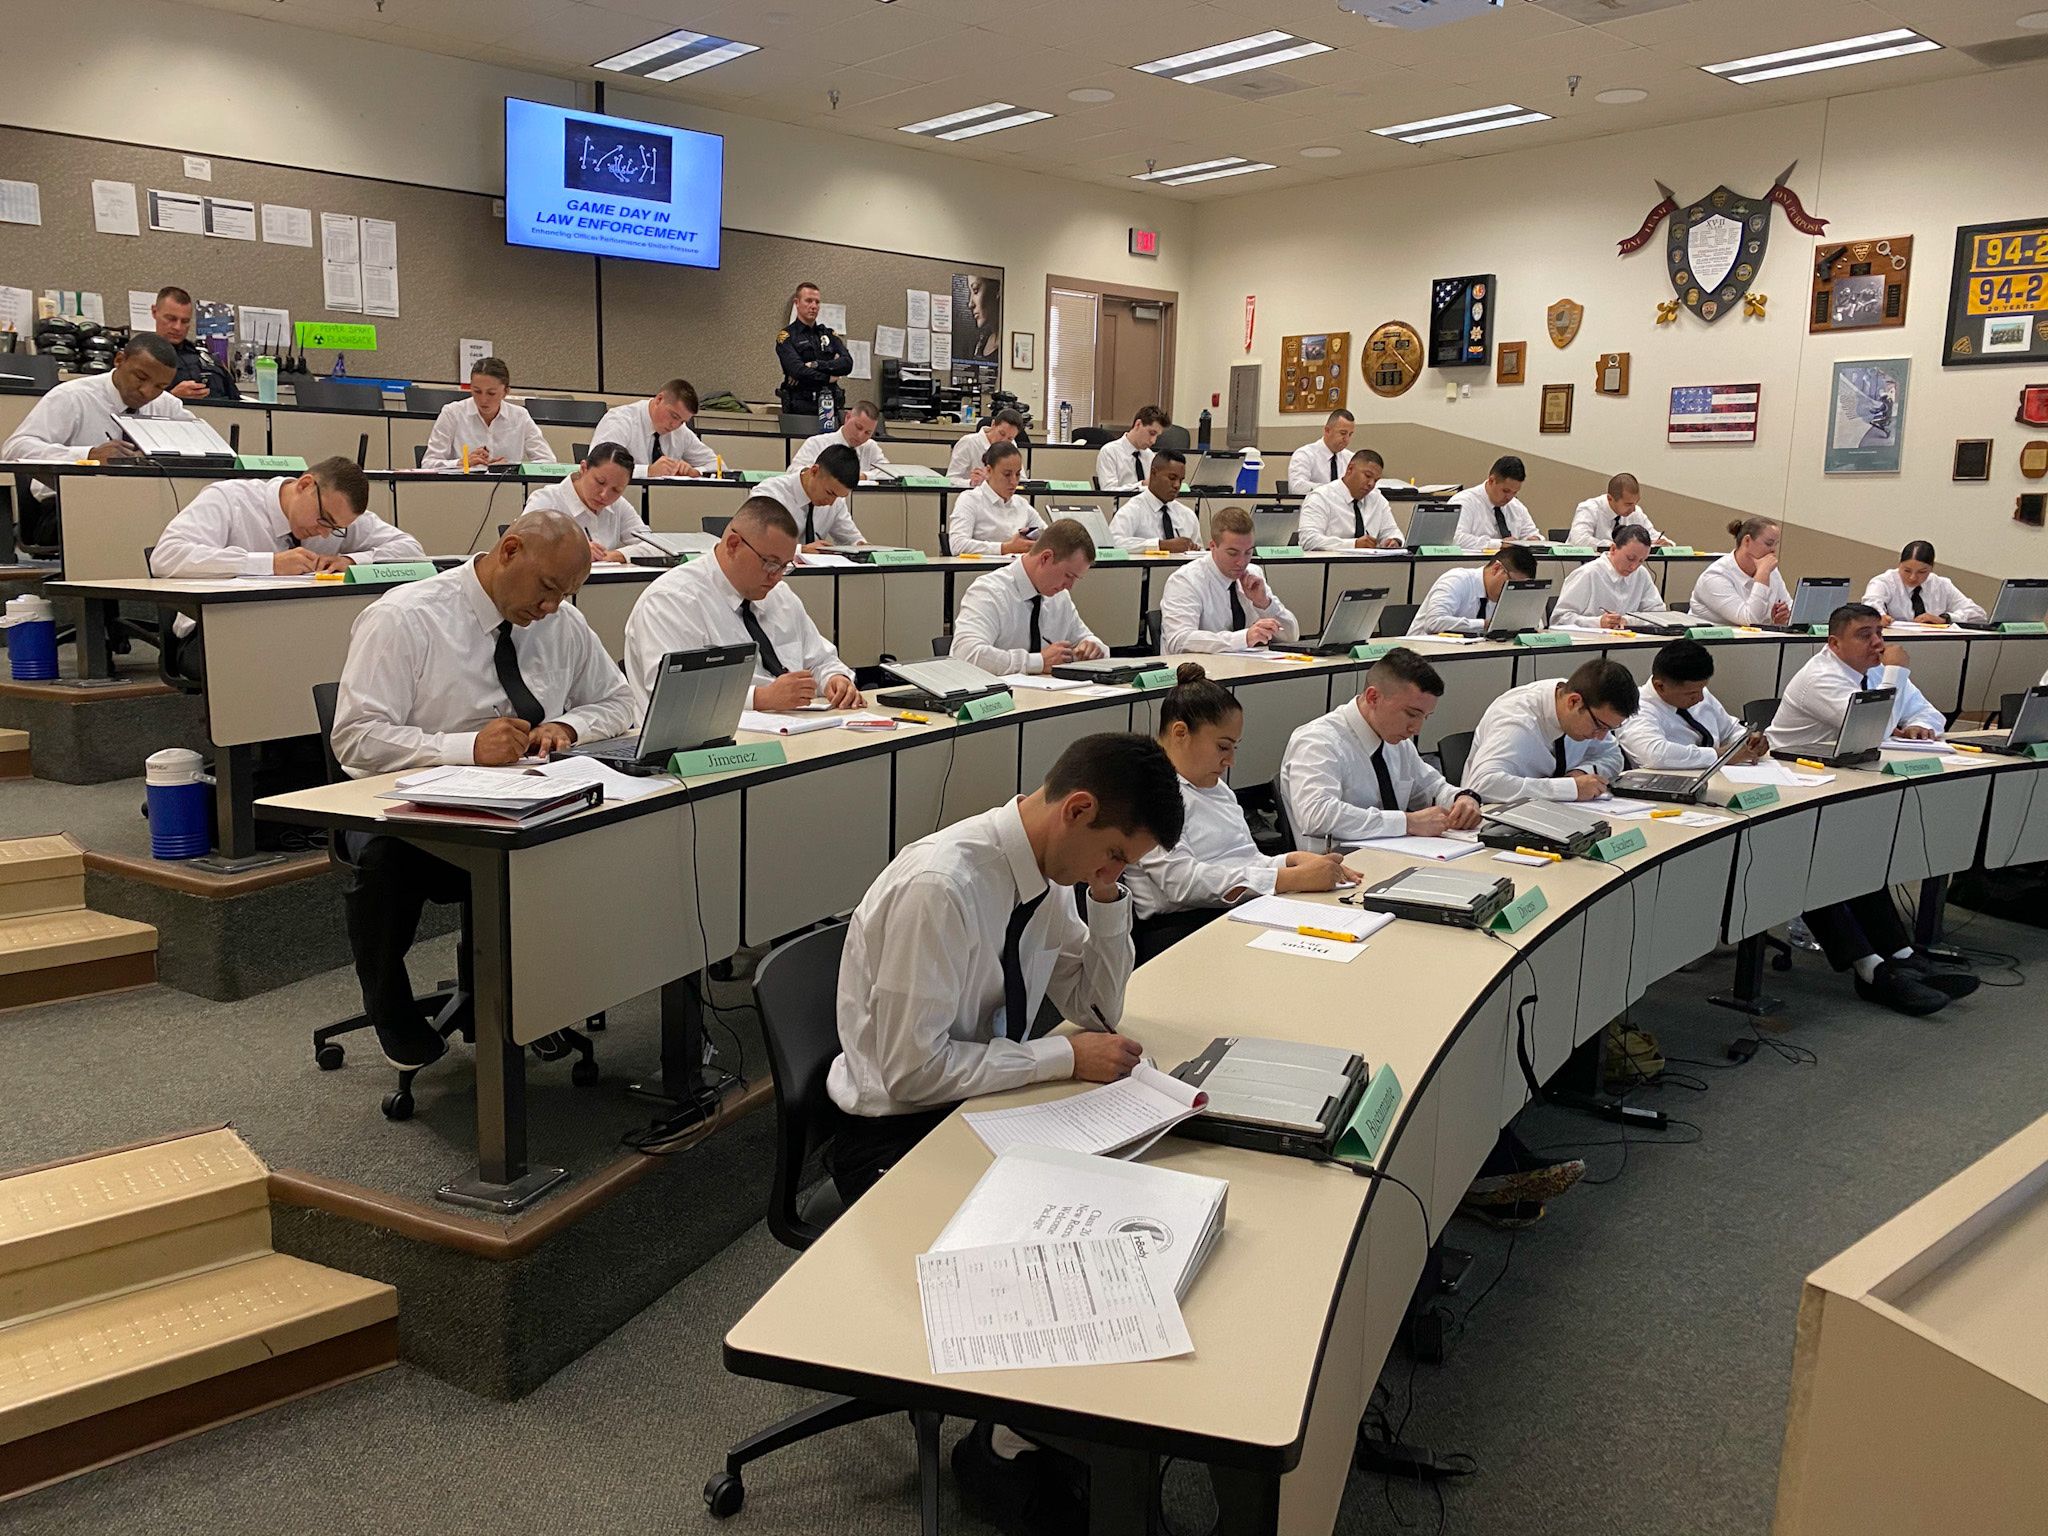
<point x="362" y="449"/>
<point x="338" y="395"/>
<point x="449" y="1008"/>
<point x="1452" y="751"/>
<point x="1261" y="797"/>
<point x="1093" y="437"/>
<point x="1174" y="437"/>
<point x="1558" y="535"/>
<point x="1155" y="627"/>
<point x="170" y="650"/>
<point x="419" y="454"/>
<point x="716" y="526"/>
<point x="795" y="989"/>
<point x="942" y="645"/>
<point x="553" y="412"/>
<point x="1395" y="619"/>
<point x="579" y="451"/>
<point x="1758" y="714"/>
<point x="2009" y="708"/>
<point x="423" y="400"/>
<point x="32" y="370"/>
<point x="790" y="424"/>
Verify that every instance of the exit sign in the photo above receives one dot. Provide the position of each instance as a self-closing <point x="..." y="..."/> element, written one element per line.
<point x="1144" y="242"/>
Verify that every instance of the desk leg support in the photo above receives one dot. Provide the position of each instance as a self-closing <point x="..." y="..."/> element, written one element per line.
<point x="1933" y="911"/>
<point x="1247" y="1503"/>
<point x="682" y="1050"/>
<point x="1748" y="995"/>
<point x="95" y="652"/>
<point x="1121" y="1485"/>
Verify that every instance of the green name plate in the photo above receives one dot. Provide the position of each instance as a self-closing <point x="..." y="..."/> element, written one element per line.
<point x="342" y="338"/>
<point x="1574" y="549"/>
<point x="1542" y="639"/>
<point x="1442" y="549"/>
<point x="745" y="754"/>
<point x="1816" y="629"/>
<point x="1158" y="677"/>
<point x="756" y="476"/>
<point x="1911" y="767"/>
<point x="1111" y="552"/>
<point x="987" y="707"/>
<point x="2036" y="749"/>
<point x="1612" y="850"/>
<point x="1367" y="1132"/>
<point x="537" y="470"/>
<point x="1522" y="911"/>
<point x="926" y="483"/>
<point x="1277" y="552"/>
<point x="1709" y="632"/>
<point x="2030" y="627"/>
<point x="1372" y="650"/>
<point x="277" y="461"/>
<point x="1070" y="485"/>
<point x="1678" y="549"/>
<point x="900" y="557"/>
<point x="1755" y="798"/>
<point x="390" y="570"/>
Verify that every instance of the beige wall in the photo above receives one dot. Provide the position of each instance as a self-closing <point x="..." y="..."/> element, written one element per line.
<point x="1917" y="161"/>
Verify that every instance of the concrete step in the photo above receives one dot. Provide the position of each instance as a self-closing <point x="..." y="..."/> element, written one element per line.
<point x="41" y="874"/>
<point x="58" y="955"/>
<point x="14" y="754"/>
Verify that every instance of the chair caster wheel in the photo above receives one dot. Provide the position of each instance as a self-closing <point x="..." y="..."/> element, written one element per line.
<point x="398" y="1105"/>
<point x="724" y="1494"/>
<point x="328" y="1057"/>
<point x="584" y="1074"/>
<point x="1781" y="962"/>
<point x="550" y="1047"/>
<point x="594" y="1024"/>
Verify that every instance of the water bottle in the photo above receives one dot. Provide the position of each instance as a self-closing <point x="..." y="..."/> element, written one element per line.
<point x="340" y="368"/>
<point x="828" y="414"/>
<point x="1066" y="421"/>
<point x="1202" y="433"/>
<point x="266" y="381"/>
<point x="179" y="798"/>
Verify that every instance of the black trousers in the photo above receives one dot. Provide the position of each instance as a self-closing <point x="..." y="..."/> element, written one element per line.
<point x="383" y="892"/>
<point x="864" y="1147"/>
<point x="1865" y="925"/>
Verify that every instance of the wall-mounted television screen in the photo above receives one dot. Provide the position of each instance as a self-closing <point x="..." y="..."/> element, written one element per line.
<point x="611" y="186"/>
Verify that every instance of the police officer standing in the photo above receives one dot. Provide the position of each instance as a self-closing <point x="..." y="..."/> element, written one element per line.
<point x="811" y="357"/>
<point x="200" y="375"/>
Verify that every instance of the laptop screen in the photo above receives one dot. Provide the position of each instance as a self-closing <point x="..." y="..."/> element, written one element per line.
<point x="1355" y="616"/>
<point x="1817" y="597"/>
<point x="1432" y="522"/>
<point x="2022" y="600"/>
<point x="1867" y="722"/>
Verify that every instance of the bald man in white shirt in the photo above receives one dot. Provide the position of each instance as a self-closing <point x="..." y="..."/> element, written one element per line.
<point x="1350" y="512"/>
<point x="1595" y="519"/>
<point x="857" y="432"/>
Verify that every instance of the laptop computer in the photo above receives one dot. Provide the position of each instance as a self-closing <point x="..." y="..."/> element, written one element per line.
<point x="697" y="699"/>
<point x="1656" y="622"/>
<point x="1353" y="618"/>
<point x="1432" y="522"/>
<point x="1816" y="598"/>
<point x="1456" y="898"/>
<point x="1273" y="1095"/>
<point x="1547" y="826"/>
<point x="1686" y="786"/>
<point x="2029" y="729"/>
<point x="1108" y="669"/>
<point x="2021" y="600"/>
<point x="1215" y="471"/>
<point x="1865" y="723"/>
<point x="1090" y="518"/>
<point x="1523" y="606"/>
<point x="940" y="686"/>
<point x="1274" y="525"/>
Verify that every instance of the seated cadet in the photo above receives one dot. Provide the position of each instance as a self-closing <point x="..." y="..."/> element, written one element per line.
<point x="1022" y="618"/>
<point x="485" y="428"/>
<point x="656" y="431"/>
<point x="1864" y="934"/>
<point x="955" y="944"/>
<point x="1595" y="519"/>
<point x="481" y="664"/>
<point x="1154" y="518"/>
<point x="1354" y="774"/>
<point x="1551" y="740"/>
<point x="1911" y="592"/>
<point x="992" y="519"/>
<point x="1461" y="601"/>
<point x="968" y="453"/>
<point x="1492" y="513"/>
<point x="817" y="497"/>
<point x="857" y="432"/>
<point x="1743" y="586"/>
<point x="1215" y="864"/>
<point x="1125" y="462"/>
<point x="1350" y="512"/>
<point x="80" y="418"/>
<point x="1322" y="461"/>
<point x="1610" y="587"/>
<point x="593" y="495"/>
<point x="1681" y="724"/>
<point x="201" y="375"/>
<point x="1223" y="603"/>
<point x="735" y="597"/>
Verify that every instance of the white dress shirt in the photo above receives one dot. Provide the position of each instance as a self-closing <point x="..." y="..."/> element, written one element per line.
<point x="1330" y="517"/>
<point x="617" y="526"/>
<point x="694" y="606"/>
<point x="967" y="455"/>
<point x="979" y="521"/>
<point x="1122" y="465"/>
<point x="1331" y="793"/>
<point x="1313" y="464"/>
<point x="834" y="523"/>
<point x="510" y="437"/>
<point x="1456" y="602"/>
<point x="870" y="452"/>
<point x="1596" y="588"/>
<point x="1514" y="749"/>
<point x="420" y="680"/>
<point x="238" y="527"/>
<point x="1195" y="610"/>
<point x="921" y="1012"/>
<point x="1654" y="736"/>
<point x="992" y="630"/>
<point x="1594" y="522"/>
<point x="1890" y="596"/>
<point x="1811" y="712"/>
<point x="1726" y="594"/>
<point x="631" y="426"/>
<point x="1476" y="526"/>
<point x="1137" y="522"/>
<point x="77" y="416"/>
<point x="1215" y="863"/>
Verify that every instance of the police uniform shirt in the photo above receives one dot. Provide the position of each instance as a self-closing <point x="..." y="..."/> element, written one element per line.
<point x="197" y="363"/>
<point x="1479" y="529"/>
<point x="1726" y="594"/>
<point x="1122" y="465"/>
<point x="1140" y="522"/>
<point x="1810" y="714"/>
<point x="510" y="437"/>
<point x="980" y="521"/>
<point x="1332" y="792"/>
<point x="992" y="631"/>
<point x="1331" y="518"/>
<point x="1597" y="588"/>
<point x="1215" y="863"/>
<point x="1514" y="749"/>
<point x="695" y="605"/>
<point x="1939" y="598"/>
<point x="631" y="426"/>
<point x="1314" y="464"/>
<point x="1594" y="522"/>
<point x="870" y="452"/>
<point x="811" y="358"/>
<point x="1655" y="737"/>
<point x="615" y="527"/>
<point x="833" y="522"/>
<point x="1195" y="616"/>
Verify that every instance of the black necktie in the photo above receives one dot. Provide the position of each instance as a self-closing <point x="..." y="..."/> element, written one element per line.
<point x="1919" y="603"/>
<point x="1333" y="466"/>
<point x="1557" y="756"/>
<point x="1165" y="521"/>
<point x="1706" y="737"/>
<point x="1357" y="519"/>
<point x="1479" y="606"/>
<point x="506" y="660"/>
<point x="1864" y="682"/>
<point x="810" y="524"/>
<point x="1500" y="521"/>
<point x="770" y="662"/>
<point x="1036" y="600"/>
<point x="1138" y="467"/>
<point x="1388" y="802"/>
<point x="291" y="541"/>
<point x="1236" y="608"/>
<point x="1015" y="1023"/>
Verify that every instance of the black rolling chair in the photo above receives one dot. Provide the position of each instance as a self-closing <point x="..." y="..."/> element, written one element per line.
<point x="1558" y="535"/>
<point x="790" y="424"/>
<point x="579" y="451"/>
<point x="1758" y="714"/>
<point x="1258" y="797"/>
<point x="1155" y="627"/>
<point x="942" y="645"/>
<point x="1452" y="752"/>
<point x="795" y="989"/>
<point x="1395" y="619"/>
<point x="553" y="412"/>
<point x="1093" y="437"/>
<point x="2009" y="708"/>
<point x="716" y="526"/>
<point x="1175" y="438"/>
<point x="419" y="454"/>
<point x="424" y="400"/>
<point x="338" y="395"/>
<point x="173" y="668"/>
<point x="362" y="449"/>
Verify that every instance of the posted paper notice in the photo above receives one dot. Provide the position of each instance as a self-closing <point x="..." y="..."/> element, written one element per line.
<point x="1025" y="1306"/>
<point x="113" y="208"/>
<point x="285" y="225"/>
<point x="176" y="213"/>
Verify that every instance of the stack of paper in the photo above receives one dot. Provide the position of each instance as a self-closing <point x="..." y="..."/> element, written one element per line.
<point x="1905" y="744"/>
<point x="1453" y="845"/>
<point x="1117" y="1119"/>
<point x="1769" y="772"/>
<point x="503" y="797"/>
<point x="1286" y="913"/>
<point x="618" y="786"/>
<point x="1028" y="1305"/>
<point x="786" y="725"/>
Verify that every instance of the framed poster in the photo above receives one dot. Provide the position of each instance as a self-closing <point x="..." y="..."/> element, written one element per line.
<point x="1973" y="459"/>
<point x="1557" y="409"/>
<point x="1461" y="322"/>
<point x="1861" y="286"/>
<point x="1022" y="350"/>
<point x="1510" y="364"/>
<point x="1998" y="295"/>
<point x="1314" y="371"/>
<point x="1867" y="417"/>
<point x="1713" y="413"/>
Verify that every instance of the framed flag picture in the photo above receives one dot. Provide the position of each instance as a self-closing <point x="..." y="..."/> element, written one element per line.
<point x="1713" y="413"/>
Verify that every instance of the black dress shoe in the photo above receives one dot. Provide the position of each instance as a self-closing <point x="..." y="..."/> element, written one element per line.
<point x="1029" y="1494"/>
<point x="1901" y="991"/>
<point x="411" y="1050"/>
<point x="1929" y="972"/>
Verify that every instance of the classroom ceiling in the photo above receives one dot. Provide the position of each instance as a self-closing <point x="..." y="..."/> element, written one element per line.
<point x="895" y="62"/>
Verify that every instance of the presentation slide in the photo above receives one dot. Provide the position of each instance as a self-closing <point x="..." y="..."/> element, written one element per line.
<point x="611" y="186"/>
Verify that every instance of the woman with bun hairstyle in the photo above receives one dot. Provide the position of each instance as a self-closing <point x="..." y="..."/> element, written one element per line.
<point x="1743" y="586"/>
<point x="1911" y="593"/>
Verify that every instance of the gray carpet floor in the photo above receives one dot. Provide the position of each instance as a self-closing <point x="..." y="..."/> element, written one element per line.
<point x="1621" y="1368"/>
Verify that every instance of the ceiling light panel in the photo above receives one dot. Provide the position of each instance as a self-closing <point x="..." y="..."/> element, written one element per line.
<point x="1213" y="63"/>
<point x="975" y="121"/>
<point x="1868" y="49"/>
<point x="1458" y="124"/>
<point x="675" y="54"/>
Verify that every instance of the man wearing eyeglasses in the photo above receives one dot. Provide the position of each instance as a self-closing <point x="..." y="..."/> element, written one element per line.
<point x="1551" y="740"/>
<point x="737" y="597"/>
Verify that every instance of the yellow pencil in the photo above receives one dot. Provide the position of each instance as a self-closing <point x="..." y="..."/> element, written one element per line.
<point x="1964" y="746"/>
<point x="1807" y="762"/>
<point x="1538" y="853"/>
<point x="1660" y="815"/>
<point x="1330" y="933"/>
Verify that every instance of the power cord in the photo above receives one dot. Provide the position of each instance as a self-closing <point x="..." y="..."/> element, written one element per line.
<point x="497" y="483"/>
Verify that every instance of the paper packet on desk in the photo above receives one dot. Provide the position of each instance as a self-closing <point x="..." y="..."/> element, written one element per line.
<point x="1119" y="1119"/>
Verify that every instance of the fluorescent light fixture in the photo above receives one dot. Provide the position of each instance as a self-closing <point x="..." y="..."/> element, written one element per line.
<point x="1183" y="170"/>
<point x="1867" y="49"/>
<point x="1232" y="58"/>
<point x="974" y="121"/>
<point x="675" y="54"/>
<point x="1015" y="120"/>
<point x="1401" y="130"/>
<point x="1236" y="170"/>
<point x="1486" y="127"/>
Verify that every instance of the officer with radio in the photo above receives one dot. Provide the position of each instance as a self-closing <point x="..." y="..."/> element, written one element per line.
<point x="812" y="358"/>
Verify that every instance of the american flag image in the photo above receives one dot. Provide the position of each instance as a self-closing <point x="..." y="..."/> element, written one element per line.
<point x="1713" y="413"/>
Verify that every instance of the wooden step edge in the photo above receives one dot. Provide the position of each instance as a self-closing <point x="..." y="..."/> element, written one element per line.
<point x="173" y="1248"/>
<point x="26" y="853"/>
<point x="87" y="978"/>
<point x="29" y="896"/>
<point x="69" y="938"/>
<point x="14" y="755"/>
